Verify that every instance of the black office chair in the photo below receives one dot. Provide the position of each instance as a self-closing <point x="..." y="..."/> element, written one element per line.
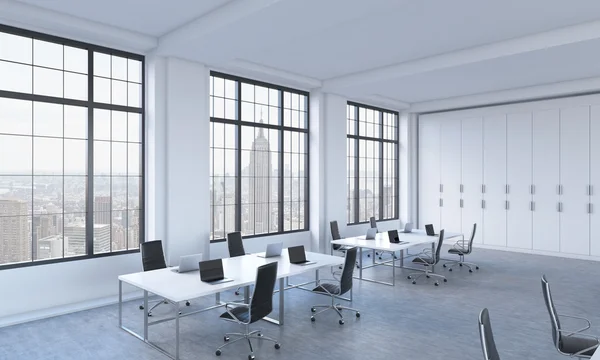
<point x="335" y="235"/>
<point x="488" y="345"/>
<point x="570" y="343"/>
<point x="429" y="260"/>
<point x="343" y="285"/>
<point x="462" y="248"/>
<point x="259" y="307"/>
<point x="153" y="258"/>
<point x="235" y="245"/>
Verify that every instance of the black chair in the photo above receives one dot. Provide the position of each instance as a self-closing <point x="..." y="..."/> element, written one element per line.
<point x="487" y="337"/>
<point x="570" y="343"/>
<point x="462" y="248"/>
<point x="235" y="244"/>
<point x="337" y="288"/>
<point x="335" y="235"/>
<point x="429" y="260"/>
<point x="261" y="305"/>
<point x="153" y="258"/>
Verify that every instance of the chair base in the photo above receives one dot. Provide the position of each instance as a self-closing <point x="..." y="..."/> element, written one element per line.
<point x="158" y="302"/>
<point x="461" y="262"/>
<point x="428" y="274"/>
<point x="337" y="307"/>
<point x="256" y="334"/>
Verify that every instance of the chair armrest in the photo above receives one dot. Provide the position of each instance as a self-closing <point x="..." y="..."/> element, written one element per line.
<point x="326" y="279"/>
<point x="569" y="333"/>
<point x="228" y="304"/>
<point x="335" y="275"/>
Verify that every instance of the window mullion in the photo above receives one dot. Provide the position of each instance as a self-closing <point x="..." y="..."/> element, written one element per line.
<point x="89" y="218"/>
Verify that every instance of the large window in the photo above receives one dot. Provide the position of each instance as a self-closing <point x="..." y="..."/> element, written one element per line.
<point x="71" y="149"/>
<point x="372" y="163"/>
<point x="259" y="157"/>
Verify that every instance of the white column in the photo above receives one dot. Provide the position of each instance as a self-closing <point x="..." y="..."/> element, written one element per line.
<point x="318" y="230"/>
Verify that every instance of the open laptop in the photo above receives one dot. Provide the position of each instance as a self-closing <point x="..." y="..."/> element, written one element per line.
<point x="189" y="263"/>
<point x="298" y="256"/>
<point x="407" y="228"/>
<point x="273" y="250"/>
<point x="211" y="271"/>
<point x="371" y="232"/>
<point x="429" y="230"/>
<point x="393" y="236"/>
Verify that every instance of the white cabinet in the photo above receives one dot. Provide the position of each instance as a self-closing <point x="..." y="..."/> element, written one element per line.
<point x="546" y="160"/>
<point x="518" y="180"/>
<point x="594" y="206"/>
<point x="574" y="177"/>
<point x="451" y="174"/>
<point x="429" y="173"/>
<point x="472" y="176"/>
<point x="494" y="178"/>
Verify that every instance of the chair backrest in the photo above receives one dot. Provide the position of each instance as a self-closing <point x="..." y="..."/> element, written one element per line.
<point x="436" y="259"/>
<point x="373" y="222"/>
<point x="335" y="230"/>
<point x="261" y="303"/>
<point x="153" y="257"/>
<point x="555" y="322"/>
<point x="235" y="244"/>
<point x="470" y="248"/>
<point x="347" y="273"/>
<point x="487" y="337"/>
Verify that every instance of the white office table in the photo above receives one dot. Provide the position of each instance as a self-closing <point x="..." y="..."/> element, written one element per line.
<point x="382" y="244"/>
<point x="177" y="288"/>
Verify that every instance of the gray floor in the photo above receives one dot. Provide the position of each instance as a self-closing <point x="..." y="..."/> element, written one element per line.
<point x="404" y="322"/>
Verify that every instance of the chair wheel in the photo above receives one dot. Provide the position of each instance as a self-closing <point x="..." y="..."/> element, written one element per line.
<point x="313" y="309"/>
<point x="444" y="265"/>
<point x="476" y="267"/>
<point x="259" y="334"/>
<point x="357" y="314"/>
<point x="414" y="282"/>
<point x="141" y="307"/>
<point x="437" y="284"/>
<point x="187" y="303"/>
<point x="427" y="276"/>
<point x="445" y="280"/>
<point x="149" y="314"/>
<point x="409" y="277"/>
<point x="277" y="346"/>
<point x="226" y="338"/>
<point x="218" y="352"/>
<point x="470" y="270"/>
<point x="341" y="322"/>
<point x="250" y="357"/>
<point x="237" y="293"/>
<point x="312" y="318"/>
<point x="459" y="264"/>
<point x="450" y="269"/>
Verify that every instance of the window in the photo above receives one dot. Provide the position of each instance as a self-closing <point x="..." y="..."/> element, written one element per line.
<point x="372" y="163"/>
<point x="259" y="157"/>
<point x="71" y="149"/>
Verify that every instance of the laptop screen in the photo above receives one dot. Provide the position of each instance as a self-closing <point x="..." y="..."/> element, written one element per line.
<point x="429" y="229"/>
<point x="297" y="254"/>
<point x="393" y="236"/>
<point x="211" y="270"/>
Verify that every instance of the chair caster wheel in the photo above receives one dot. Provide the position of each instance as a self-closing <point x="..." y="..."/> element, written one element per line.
<point x="470" y="270"/>
<point x="444" y="265"/>
<point x="409" y="277"/>
<point x="414" y="283"/>
<point x="312" y="318"/>
<point x="437" y="284"/>
<point x="218" y="352"/>
<point x="459" y="264"/>
<point x="226" y="338"/>
<point x="250" y="357"/>
<point x="368" y="255"/>
<point x="341" y="322"/>
<point x="357" y="314"/>
<point x="313" y="310"/>
<point x="149" y="314"/>
<point x="187" y="303"/>
<point x="277" y="346"/>
<point x="141" y="307"/>
<point x="449" y="269"/>
<point x="476" y="267"/>
<point x="237" y="293"/>
<point x="427" y="276"/>
<point x="259" y="334"/>
<point x="445" y="280"/>
<point x="380" y="258"/>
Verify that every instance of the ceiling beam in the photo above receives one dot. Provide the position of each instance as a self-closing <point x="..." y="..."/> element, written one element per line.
<point x="383" y="101"/>
<point x="269" y="74"/>
<point x="536" y="42"/>
<point x="210" y="22"/>
<point x="51" y="22"/>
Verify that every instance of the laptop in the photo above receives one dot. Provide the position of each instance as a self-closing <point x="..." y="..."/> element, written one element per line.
<point x="393" y="236"/>
<point x="371" y="232"/>
<point x="211" y="271"/>
<point x="189" y="263"/>
<point x="298" y="256"/>
<point x="429" y="230"/>
<point x="407" y="228"/>
<point x="273" y="250"/>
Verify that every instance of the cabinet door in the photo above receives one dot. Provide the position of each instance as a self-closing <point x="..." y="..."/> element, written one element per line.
<point x="595" y="181"/>
<point x="429" y="172"/>
<point x="546" y="175"/>
<point x="451" y="174"/>
<point x="494" y="178"/>
<point x="574" y="175"/>
<point x="472" y="176"/>
<point x="518" y="179"/>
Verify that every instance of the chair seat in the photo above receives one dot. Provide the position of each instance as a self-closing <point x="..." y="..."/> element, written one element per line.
<point x="423" y="260"/>
<point x="457" y="251"/>
<point x="327" y="287"/>
<point x="573" y="344"/>
<point x="241" y="313"/>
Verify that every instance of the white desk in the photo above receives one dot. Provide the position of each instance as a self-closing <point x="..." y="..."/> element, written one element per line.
<point x="177" y="288"/>
<point x="382" y="243"/>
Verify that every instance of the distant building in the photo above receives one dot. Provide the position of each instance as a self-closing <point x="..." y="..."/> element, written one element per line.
<point x="50" y="247"/>
<point x="260" y="173"/>
<point x="102" y="210"/>
<point x="15" y="242"/>
<point x="75" y="239"/>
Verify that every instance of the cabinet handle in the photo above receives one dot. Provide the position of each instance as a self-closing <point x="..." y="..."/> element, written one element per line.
<point x="506" y="189"/>
<point x="441" y="202"/>
<point x="483" y="204"/>
<point x="441" y="188"/>
<point x="531" y="205"/>
<point x="589" y="208"/>
<point x="589" y="190"/>
<point x="557" y="189"/>
<point x="461" y="203"/>
<point x="461" y="188"/>
<point x="483" y="188"/>
<point x="559" y="207"/>
<point x="506" y="205"/>
<point x="532" y="189"/>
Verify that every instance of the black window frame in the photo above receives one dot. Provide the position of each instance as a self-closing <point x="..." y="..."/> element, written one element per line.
<point x="281" y="177"/>
<point x="356" y="137"/>
<point x="90" y="105"/>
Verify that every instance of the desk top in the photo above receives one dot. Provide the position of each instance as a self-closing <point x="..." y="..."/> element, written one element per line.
<point x="381" y="242"/>
<point x="173" y="286"/>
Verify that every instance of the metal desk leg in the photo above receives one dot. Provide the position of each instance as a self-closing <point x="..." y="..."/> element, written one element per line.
<point x="401" y="258"/>
<point x="246" y="294"/>
<point x="177" y="331"/>
<point x="218" y="299"/>
<point x="373" y="256"/>
<point x="281" y="300"/>
<point x="145" y="315"/>
<point x="361" y="263"/>
<point x="393" y="269"/>
<point x="120" y="303"/>
<point x="317" y="277"/>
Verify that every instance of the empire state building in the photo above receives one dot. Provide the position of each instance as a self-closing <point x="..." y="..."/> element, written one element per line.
<point x="260" y="173"/>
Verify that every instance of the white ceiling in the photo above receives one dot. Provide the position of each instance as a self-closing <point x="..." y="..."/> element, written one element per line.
<point x="397" y="51"/>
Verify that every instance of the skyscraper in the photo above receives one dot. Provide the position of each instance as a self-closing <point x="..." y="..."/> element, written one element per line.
<point x="260" y="173"/>
<point x="102" y="210"/>
<point x="75" y="238"/>
<point x="15" y="245"/>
